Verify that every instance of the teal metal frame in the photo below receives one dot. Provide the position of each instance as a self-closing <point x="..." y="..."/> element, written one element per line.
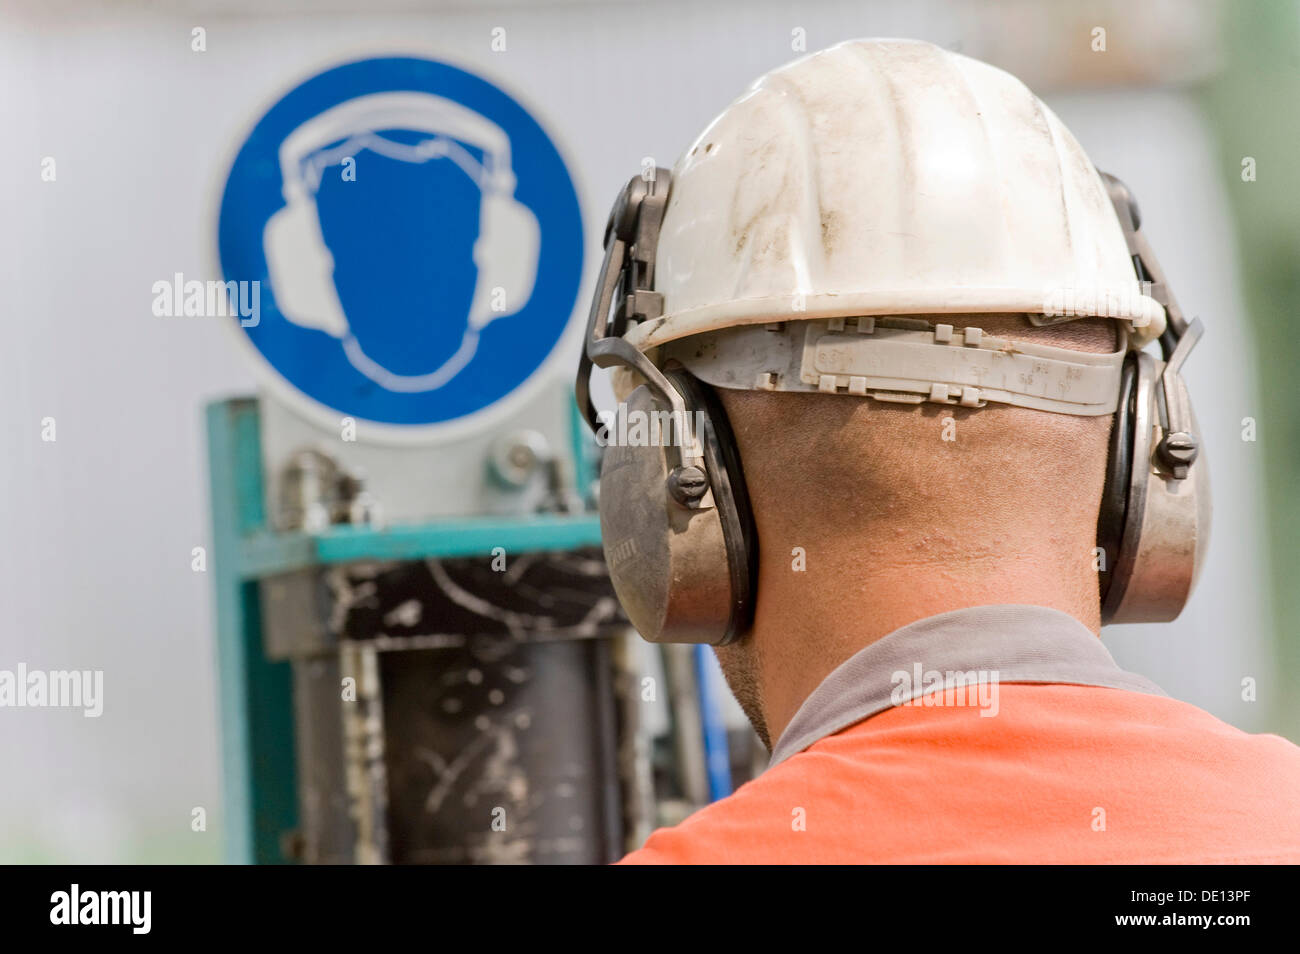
<point x="259" y="771"/>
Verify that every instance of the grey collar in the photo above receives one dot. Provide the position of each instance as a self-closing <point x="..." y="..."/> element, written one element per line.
<point x="980" y="645"/>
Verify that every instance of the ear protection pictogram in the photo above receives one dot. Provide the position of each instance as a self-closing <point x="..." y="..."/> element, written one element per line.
<point x="300" y="266"/>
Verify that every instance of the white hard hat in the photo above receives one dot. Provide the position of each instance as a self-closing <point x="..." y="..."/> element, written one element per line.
<point x="889" y="177"/>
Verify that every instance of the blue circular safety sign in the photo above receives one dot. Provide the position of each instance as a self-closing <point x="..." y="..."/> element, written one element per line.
<point x="416" y="236"/>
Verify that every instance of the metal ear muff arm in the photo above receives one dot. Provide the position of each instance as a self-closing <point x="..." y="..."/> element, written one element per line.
<point x="1145" y="262"/>
<point x="626" y="284"/>
<point x="1179" y="447"/>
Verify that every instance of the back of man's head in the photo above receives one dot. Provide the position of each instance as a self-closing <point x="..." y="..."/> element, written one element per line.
<point x="868" y="256"/>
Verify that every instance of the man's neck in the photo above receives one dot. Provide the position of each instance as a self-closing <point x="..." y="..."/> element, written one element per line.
<point x="809" y="622"/>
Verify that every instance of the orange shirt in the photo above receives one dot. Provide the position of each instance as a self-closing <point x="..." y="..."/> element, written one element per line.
<point x="1058" y="774"/>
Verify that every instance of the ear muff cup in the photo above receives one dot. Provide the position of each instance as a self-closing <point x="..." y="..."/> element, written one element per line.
<point x="1154" y="525"/>
<point x="683" y="573"/>
<point x="727" y="481"/>
<point x="1119" y="476"/>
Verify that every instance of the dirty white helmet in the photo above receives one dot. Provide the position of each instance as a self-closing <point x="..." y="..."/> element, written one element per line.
<point x="894" y="178"/>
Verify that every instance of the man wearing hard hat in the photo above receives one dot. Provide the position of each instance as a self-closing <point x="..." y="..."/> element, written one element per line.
<point x="899" y="324"/>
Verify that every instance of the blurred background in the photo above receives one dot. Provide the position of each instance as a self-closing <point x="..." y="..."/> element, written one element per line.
<point x="175" y="535"/>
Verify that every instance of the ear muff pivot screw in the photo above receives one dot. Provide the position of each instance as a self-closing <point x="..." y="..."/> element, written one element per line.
<point x="1179" y="451"/>
<point x="687" y="484"/>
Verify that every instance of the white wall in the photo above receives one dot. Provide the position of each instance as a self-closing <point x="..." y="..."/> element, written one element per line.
<point x="97" y="528"/>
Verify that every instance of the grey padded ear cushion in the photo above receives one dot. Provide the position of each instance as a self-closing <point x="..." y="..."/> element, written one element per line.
<point x="1119" y="476"/>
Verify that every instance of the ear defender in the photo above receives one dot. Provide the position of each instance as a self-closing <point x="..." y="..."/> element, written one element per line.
<point x="1154" y="523"/>
<point x="675" y="520"/>
<point x="678" y="533"/>
<point x="679" y="541"/>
